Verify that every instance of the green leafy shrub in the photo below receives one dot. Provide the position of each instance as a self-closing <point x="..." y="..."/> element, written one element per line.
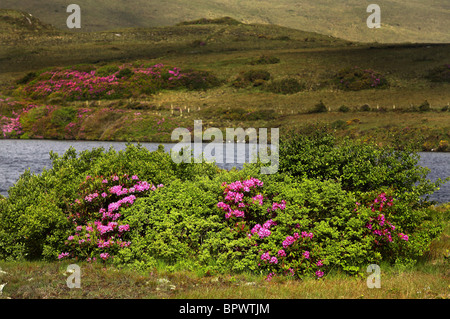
<point x="172" y="224"/>
<point x="360" y="166"/>
<point x="63" y="116"/>
<point x="199" y="80"/>
<point x="33" y="219"/>
<point x="330" y="206"/>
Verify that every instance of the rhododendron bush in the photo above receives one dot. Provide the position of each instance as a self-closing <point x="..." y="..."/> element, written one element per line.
<point x="98" y="228"/>
<point x="139" y="209"/>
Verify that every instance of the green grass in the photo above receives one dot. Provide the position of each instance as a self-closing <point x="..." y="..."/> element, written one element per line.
<point x="429" y="279"/>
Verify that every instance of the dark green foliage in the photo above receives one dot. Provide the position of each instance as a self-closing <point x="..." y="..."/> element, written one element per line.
<point x="365" y="108"/>
<point x="63" y="116"/>
<point x="254" y="75"/>
<point x="344" y="109"/>
<point x="199" y="80"/>
<point x="124" y="73"/>
<point x="439" y="74"/>
<point x="107" y="70"/>
<point x="359" y="166"/>
<point x="329" y="191"/>
<point x="319" y="108"/>
<point x="224" y="20"/>
<point x="424" y="107"/>
<point x="84" y="68"/>
<point x="355" y="79"/>
<point x="27" y="78"/>
<point x="265" y="59"/>
<point x="285" y="86"/>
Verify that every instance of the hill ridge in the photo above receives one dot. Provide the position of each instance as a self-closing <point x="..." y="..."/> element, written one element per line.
<point x="411" y="21"/>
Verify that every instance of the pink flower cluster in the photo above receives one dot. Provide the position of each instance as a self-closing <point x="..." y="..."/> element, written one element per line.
<point x="12" y="125"/>
<point x="104" y="233"/>
<point x="379" y="225"/>
<point x="235" y="196"/>
<point x="272" y="260"/>
<point x="263" y="231"/>
<point x="292" y="239"/>
<point x="74" y="85"/>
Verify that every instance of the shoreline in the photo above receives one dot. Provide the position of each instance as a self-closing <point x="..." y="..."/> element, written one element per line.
<point x="158" y="142"/>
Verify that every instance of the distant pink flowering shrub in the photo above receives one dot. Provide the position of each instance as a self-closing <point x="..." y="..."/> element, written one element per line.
<point x="11" y="126"/>
<point x="73" y="84"/>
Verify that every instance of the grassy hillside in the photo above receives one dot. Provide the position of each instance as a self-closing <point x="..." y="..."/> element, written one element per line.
<point x="411" y="21"/>
<point x="267" y="76"/>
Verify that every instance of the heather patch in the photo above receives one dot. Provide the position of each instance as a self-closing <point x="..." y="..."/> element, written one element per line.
<point x="356" y="78"/>
<point x="114" y="82"/>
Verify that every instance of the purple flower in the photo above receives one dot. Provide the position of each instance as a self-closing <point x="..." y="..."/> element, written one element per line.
<point x="263" y="232"/>
<point x="288" y="241"/>
<point x="63" y="255"/>
<point x="281" y="253"/>
<point x="104" y="256"/>
<point x="265" y="256"/>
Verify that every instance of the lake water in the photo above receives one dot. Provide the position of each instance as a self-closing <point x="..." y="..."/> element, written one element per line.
<point x="16" y="156"/>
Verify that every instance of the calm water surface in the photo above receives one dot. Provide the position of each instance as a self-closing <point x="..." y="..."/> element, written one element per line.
<point x="16" y="156"/>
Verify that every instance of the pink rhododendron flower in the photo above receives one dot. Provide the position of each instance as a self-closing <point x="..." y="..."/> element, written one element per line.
<point x="63" y="255"/>
<point x="281" y="253"/>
